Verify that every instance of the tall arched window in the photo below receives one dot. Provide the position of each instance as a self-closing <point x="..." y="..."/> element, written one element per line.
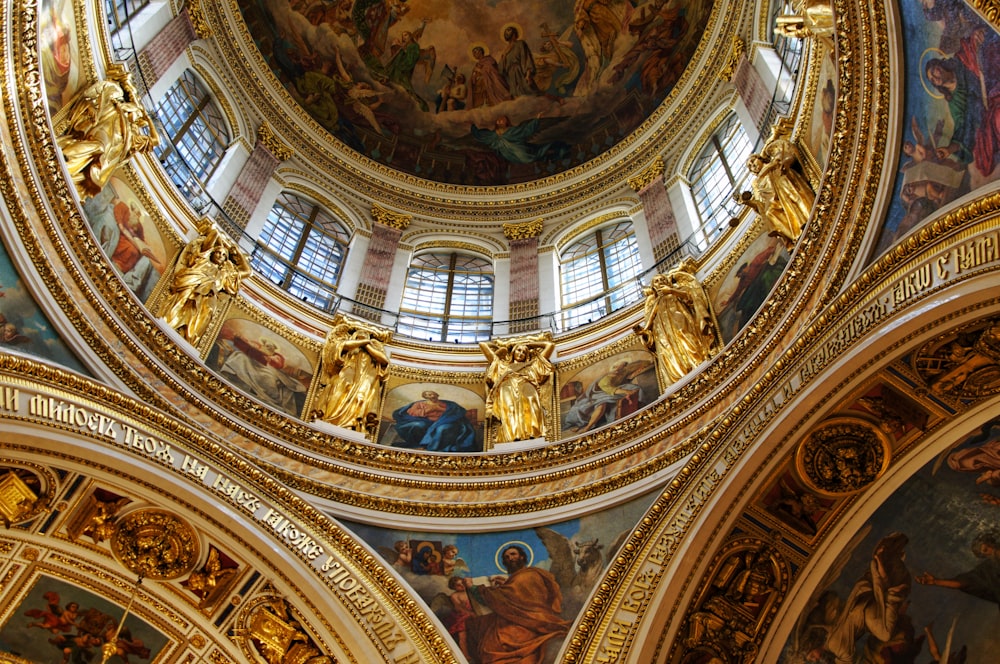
<point x="193" y="136"/>
<point x="448" y="297"/>
<point x="718" y="172"/>
<point x="302" y="249"/>
<point x="599" y="274"/>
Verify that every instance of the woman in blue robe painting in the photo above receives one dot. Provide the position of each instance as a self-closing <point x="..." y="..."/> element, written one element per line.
<point x="435" y="425"/>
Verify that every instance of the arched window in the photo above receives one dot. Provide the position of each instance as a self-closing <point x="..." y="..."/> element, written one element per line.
<point x="120" y="12"/>
<point x="599" y="274"/>
<point x="447" y="297"/>
<point x="301" y="249"/>
<point x="718" y="172"/>
<point x="193" y="136"/>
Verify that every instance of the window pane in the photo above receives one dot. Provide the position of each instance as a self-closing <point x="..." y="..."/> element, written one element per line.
<point x="448" y="297"/>
<point x="193" y="132"/>
<point x="302" y="249"/>
<point x="718" y="172"/>
<point x="599" y="274"/>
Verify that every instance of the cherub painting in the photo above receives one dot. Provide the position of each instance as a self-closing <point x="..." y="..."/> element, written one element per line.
<point x="60" y="621"/>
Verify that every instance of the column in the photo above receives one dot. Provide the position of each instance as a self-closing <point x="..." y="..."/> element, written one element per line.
<point x="755" y="94"/>
<point x="243" y="196"/>
<point x="376" y="271"/>
<point x="659" y="212"/>
<point x="163" y="50"/>
<point x="523" y="274"/>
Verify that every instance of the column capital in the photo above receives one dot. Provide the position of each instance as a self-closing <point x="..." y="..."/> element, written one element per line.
<point x="523" y="231"/>
<point x="197" y="17"/>
<point x="648" y="175"/>
<point x="273" y="144"/>
<point x="393" y="219"/>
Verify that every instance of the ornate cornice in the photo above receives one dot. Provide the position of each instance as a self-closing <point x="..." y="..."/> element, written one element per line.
<point x="273" y="144"/>
<point x="646" y="177"/>
<point x="385" y="217"/>
<point x="523" y="231"/>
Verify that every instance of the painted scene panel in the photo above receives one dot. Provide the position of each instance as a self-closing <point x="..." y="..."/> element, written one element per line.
<point x="60" y="53"/>
<point x="739" y="295"/>
<point x="478" y="93"/>
<point x="921" y="580"/>
<point x="821" y="122"/>
<point x="60" y="622"/>
<point x="261" y="363"/>
<point x="432" y="417"/>
<point x="130" y="239"/>
<point x="23" y="325"/>
<point x="483" y="595"/>
<point x="951" y="137"/>
<point x="607" y="391"/>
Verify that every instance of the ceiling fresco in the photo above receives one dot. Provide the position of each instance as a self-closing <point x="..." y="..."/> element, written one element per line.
<point x="491" y="93"/>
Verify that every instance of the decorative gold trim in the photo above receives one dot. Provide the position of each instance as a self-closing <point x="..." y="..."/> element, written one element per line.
<point x="389" y="218"/>
<point x="199" y="24"/>
<point x="272" y="143"/>
<point x="648" y="174"/>
<point x="523" y="231"/>
<point x="737" y="50"/>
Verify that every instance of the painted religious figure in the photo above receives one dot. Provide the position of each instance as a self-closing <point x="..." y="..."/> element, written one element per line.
<point x="607" y="391"/>
<point x="354" y="369"/>
<point x="383" y="76"/>
<point x="952" y="105"/>
<point x="261" y="363"/>
<point x="436" y="418"/>
<point x="677" y="325"/>
<point x="61" y="621"/>
<point x="517" y="382"/>
<point x="919" y="580"/>
<point x="128" y="236"/>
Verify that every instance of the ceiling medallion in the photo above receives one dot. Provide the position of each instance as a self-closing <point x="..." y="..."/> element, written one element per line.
<point x="155" y="544"/>
<point x="843" y="456"/>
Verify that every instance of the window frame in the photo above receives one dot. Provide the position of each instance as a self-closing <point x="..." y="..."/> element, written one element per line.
<point x="451" y="318"/>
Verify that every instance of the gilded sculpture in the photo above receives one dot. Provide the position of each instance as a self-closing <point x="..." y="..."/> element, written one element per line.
<point x="103" y="128"/>
<point x="518" y="371"/>
<point x="812" y="18"/>
<point x="677" y="324"/>
<point x="208" y="266"/>
<point x="355" y="365"/>
<point x="780" y="193"/>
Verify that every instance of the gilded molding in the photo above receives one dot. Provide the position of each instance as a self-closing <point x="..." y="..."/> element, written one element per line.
<point x="523" y="231"/>
<point x="199" y="24"/>
<point x="648" y="174"/>
<point x="392" y="219"/>
<point x="272" y="143"/>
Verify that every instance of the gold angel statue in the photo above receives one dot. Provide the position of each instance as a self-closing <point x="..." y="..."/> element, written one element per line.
<point x="677" y="324"/>
<point x="208" y="266"/>
<point x="780" y="194"/>
<point x="355" y="365"/>
<point x="516" y="384"/>
<point x="103" y="128"/>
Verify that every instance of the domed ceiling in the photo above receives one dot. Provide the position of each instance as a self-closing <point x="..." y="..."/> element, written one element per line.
<point x="477" y="93"/>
